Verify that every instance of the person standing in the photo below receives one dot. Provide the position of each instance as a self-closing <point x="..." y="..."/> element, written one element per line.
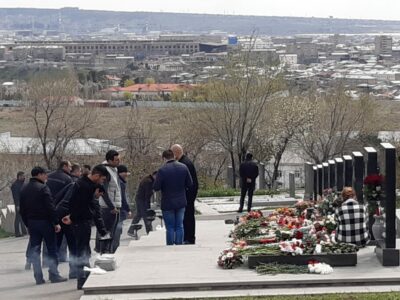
<point x="86" y="170"/>
<point x="39" y="215"/>
<point x="111" y="201"/>
<point x="189" y="221"/>
<point x="142" y="200"/>
<point x="16" y="187"/>
<point x="125" y="211"/>
<point x="78" y="211"/>
<point x="173" y="179"/>
<point x="248" y="172"/>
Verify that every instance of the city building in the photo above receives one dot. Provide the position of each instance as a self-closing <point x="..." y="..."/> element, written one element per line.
<point x="383" y="45"/>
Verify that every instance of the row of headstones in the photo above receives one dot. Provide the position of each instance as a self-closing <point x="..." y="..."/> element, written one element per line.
<point x="350" y="170"/>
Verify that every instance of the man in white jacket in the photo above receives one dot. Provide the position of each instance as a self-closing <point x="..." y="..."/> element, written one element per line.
<point x="111" y="201"/>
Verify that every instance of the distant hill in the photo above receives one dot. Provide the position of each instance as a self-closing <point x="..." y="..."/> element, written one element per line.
<point x="73" y="20"/>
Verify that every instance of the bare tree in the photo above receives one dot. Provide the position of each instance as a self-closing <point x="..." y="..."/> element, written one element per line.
<point x="55" y="114"/>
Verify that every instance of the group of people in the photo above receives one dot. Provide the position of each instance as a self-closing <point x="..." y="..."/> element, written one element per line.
<point x="61" y="207"/>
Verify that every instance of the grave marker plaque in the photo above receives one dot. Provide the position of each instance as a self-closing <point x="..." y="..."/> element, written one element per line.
<point x="339" y="174"/>
<point x="348" y="170"/>
<point x="332" y="174"/>
<point x="358" y="180"/>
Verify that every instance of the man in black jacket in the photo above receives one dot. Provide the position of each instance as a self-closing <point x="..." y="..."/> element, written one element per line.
<point x="39" y="215"/>
<point x="16" y="192"/>
<point x="142" y="200"/>
<point x="79" y="210"/>
<point x="248" y="173"/>
<point x="189" y="222"/>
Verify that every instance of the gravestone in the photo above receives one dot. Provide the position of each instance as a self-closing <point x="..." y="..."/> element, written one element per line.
<point x="332" y="174"/>
<point x="325" y="170"/>
<point x="315" y="186"/>
<point x="348" y="170"/>
<point x="386" y="249"/>
<point x="320" y="180"/>
<point x="292" y="186"/>
<point x="261" y="176"/>
<point x="229" y="177"/>
<point x="358" y="180"/>
<point x="371" y="162"/>
<point x="339" y="174"/>
<point x="309" y="181"/>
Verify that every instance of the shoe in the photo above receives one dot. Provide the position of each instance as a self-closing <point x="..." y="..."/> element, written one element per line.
<point x="40" y="281"/>
<point x="57" y="279"/>
<point x="240" y="211"/>
<point x="80" y="283"/>
<point x="27" y="266"/>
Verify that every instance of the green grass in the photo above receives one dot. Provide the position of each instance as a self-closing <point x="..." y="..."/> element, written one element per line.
<point x="4" y="234"/>
<point x="221" y="192"/>
<point x="361" y="296"/>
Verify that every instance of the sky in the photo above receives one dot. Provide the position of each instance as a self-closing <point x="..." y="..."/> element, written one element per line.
<point x="357" y="9"/>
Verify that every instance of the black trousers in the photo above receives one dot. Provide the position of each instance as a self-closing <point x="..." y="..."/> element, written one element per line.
<point x="141" y="209"/>
<point x="249" y="190"/>
<point x="19" y="226"/>
<point x="111" y="223"/>
<point x="40" y="230"/>
<point x="189" y="222"/>
<point x="67" y="232"/>
<point x="82" y="232"/>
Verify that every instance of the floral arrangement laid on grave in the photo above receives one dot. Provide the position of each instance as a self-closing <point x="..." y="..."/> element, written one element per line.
<point x="373" y="191"/>
<point x="285" y="232"/>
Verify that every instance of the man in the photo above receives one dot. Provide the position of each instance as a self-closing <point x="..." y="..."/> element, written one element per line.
<point x="75" y="172"/>
<point x="125" y="211"/>
<point x="142" y="200"/>
<point x="16" y="191"/>
<point x="57" y="181"/>
<point x="86" y="170"/>
<point x="189" y="222"/>
<point x="173" y="179"/>
<point x="111" y="201"/>
<point x="39" y="215"/>
<point x="248" y="173"/>
<point x="78" y="211"/>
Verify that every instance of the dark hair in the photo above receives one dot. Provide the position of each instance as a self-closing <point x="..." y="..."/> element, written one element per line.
<point x="111" y="154"/>
<point x="249" y="156"/>
<point x="63" y="163"/>
<point x="38" y="170"/>
<point x="75" y="167"/>
<point x="122" y="169"/>
<point x="101" y="170"/>
<point x="20" y="173"/>
<point x="168" y="154"/>
<point x="87" y="167"/>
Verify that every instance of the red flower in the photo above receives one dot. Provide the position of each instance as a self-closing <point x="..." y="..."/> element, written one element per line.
<point x="298" y="235"/>
<point x="374" y="179"/>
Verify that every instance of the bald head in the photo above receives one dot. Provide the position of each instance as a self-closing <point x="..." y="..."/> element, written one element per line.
<point x="178" y="151"/>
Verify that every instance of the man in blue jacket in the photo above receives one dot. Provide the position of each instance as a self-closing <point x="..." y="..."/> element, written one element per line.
<point x="173" y="179"/>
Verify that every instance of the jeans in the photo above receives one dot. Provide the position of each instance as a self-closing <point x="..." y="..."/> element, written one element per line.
<point x="82" y="232"/>
<point x="246" y="189"/>
<point x="40" y="230"/>
<point x="67" y="234"/>
<point x="174" y="225"/>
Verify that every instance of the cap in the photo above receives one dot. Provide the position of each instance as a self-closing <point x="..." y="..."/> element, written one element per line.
<point x="123" y="169"/>
<point x="39" y="170"/>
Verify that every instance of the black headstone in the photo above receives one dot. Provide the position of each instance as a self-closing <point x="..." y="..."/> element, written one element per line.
<point x="371" y="160"/>
<point x="348" y="170"/>
<point x="332" y="174"/>
<point x="320" y="180"/>
<point x="315" y="186"/>
<point x="339" y="174"/>
<point x="325" y="171"/>
<point x="358" y="182"/>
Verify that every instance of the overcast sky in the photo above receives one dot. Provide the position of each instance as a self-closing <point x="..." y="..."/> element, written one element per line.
<point x="364" y="9"/>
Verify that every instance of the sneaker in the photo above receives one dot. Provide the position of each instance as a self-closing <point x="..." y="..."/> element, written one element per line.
<point x="57" y="279"/>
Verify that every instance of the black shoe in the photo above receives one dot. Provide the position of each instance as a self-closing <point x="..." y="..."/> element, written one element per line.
<point x="240" y="210"/>
<point x="40" y="281"/>
<point x="57" y="279"/>
<point x="27" y="266"/>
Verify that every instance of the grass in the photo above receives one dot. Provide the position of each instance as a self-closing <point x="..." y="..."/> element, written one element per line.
<point x="4" y="234"/>
<point x="221" y="192"/>
<point x="361" y="296"/>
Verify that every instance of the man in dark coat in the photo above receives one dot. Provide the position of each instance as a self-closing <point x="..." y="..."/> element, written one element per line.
<point x="142" y="200"/>
<point x="248" y="173"/>
<point x="78" y="212"/>
<point x="16" y="192"/>
<point x="173" y="179"/>
<point x="39" y="215"/>
<point x="76" y="172"/>
<point x="189" y="222"/>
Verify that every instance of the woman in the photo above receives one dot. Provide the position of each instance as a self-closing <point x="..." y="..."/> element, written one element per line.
<point x="352" y="220"/>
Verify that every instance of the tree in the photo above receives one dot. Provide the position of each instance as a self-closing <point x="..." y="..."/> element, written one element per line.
<point x="128" y="82"/>
<point x="335" y="121"/>
<point x="55" y="115"/>
<point x="149" y="80"/>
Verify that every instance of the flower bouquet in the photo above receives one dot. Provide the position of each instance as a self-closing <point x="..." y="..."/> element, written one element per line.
<point x="230" y="259"/>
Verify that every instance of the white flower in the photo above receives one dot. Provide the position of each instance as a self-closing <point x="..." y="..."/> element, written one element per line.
<point x="298" y="251"/>
<point x="223" y="257"/>
<point x="318" y="249"/>
<point x="229" y="255"/>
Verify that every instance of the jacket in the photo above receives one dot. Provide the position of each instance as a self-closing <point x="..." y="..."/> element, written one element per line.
<point x="191" y="193"/>
<point x="145" y="191"/>
<point x="173" y="179"/>
<point x="82" y="205"/>
<point x="124" y="195"/>
<point x="112" y="198"/>
<point x="57" y="180"/>
<point x="36" y="202"/>
<point x="16" y="188"/>
<point x="248" y="169"/>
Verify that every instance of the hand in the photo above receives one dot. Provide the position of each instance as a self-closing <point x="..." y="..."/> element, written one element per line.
<point x="98" y="193"/>
<point x="115" y="211"/>
<point x="248" y="180"/>
<point x="57" y="228"/>
<point x="129" y="214"/>
<point x="66" y="220"/>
